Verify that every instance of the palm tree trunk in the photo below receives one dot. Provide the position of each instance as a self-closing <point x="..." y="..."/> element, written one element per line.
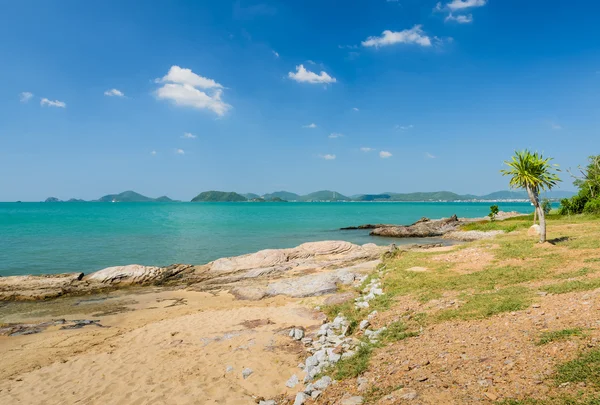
<point x="542" y="225"/>
<point x="534" y="215"/>
<point x="535" y="200"/>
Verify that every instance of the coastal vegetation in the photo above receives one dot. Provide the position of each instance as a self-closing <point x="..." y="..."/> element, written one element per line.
<point x="219" y="196"/>
<point x="534" y="173"/>
<point x="588" y="199"/>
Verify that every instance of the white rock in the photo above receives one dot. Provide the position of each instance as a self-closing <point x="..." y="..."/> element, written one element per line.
<point x="334" y="357"/>
<point x="322" y="383"/>
<point x="362" y="305"/>
<point x="247" y="372"/>
<point x="269" y="402"/>
<point x="300" y="398"/>
<point x="292" y="382"/>
<point x="315" y="394"/>
<point x="352" y="401"/>
<point x="364" y="324"/>
<point x="309" y="389"/>
<point x="298" y="334"/>
<point x="229" y="369"/>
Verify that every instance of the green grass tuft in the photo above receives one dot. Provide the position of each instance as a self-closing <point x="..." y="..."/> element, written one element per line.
<point x="397" y="331"/>
<point x="585" y="368"/>
<point x="354" y="366"/>
<point x="484" y="305"/>
<point x="572" y="286"/>
<point x="563" y="334"/>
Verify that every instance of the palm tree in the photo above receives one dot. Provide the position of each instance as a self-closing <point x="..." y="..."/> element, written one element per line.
<point x="532" y="172"/>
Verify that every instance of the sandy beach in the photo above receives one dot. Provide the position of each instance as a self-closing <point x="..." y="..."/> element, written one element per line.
<point x="163" y="347"/>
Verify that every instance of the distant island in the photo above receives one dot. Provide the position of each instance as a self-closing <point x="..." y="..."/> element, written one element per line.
<point x="327" y="196"/>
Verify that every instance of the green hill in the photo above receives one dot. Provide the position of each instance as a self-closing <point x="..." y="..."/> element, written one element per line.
<point x="129" y="196"/>
<point x="284" y="195"/>
<point x="52" y="199"/>
<point x="325" y="195"/>
<point x="164" y="198"/>
<point x="219" y="196"/>
<point x="251" y="196"/>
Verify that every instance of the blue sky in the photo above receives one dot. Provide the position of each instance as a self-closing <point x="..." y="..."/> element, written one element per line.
<point x="406" y="95"/>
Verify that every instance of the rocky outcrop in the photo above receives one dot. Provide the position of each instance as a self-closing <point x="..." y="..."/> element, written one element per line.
<point x="469" y="236"/>
<point x="318" y="267"/>
<point x="423" y="228"/>
<point x="37" y="287"/>
<point x="133" y="274"/>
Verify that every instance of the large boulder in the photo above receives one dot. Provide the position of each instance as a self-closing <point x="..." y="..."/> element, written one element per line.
<point x="133" y="274"/>
<point x="423" y="228"/>
<point x="311" y="285"/>
<point x="534" y="230"/>
<point x="37" y="287"/>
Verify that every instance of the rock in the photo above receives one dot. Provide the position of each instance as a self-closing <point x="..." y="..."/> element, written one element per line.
<point x="341" y="298"/>
<point x="364" y="324"/>
<point x="300" y="398"/>
<point x="269" y="402"/>
<point x="420" y="229"/>
<point x="352" y="401"/>
<point x="298" y="334"/>
<point x="37" y="287"/>
<point x="131" y="274"/>
<point x="316" y="394"/>
<point x="229" y="369"/>
<point x="292" y="382"/>
<point x="490" y="396"/>
<point x="534" y="230"/>
<point x="247" y="372"/>
<point x="406" y="393"/>
<point x="248" y="293"/>
<point x="362" y="384"/>
<point x="417" y="269"/>
<point x="309" y="286"/>
<point x="322" y="383"/>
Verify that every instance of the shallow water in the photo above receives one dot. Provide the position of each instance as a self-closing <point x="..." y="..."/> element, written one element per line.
<point x="38" y="238"/>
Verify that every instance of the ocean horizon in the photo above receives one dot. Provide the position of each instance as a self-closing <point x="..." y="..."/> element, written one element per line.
<point x="48" y="238"/>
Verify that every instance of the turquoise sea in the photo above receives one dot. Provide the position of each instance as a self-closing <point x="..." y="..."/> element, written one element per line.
<point x="38" y="238"/>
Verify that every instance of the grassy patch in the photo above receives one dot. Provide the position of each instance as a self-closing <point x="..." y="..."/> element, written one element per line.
<point x="354" y="366"/>
<point x="506" y="226"/>
<point x="348" y="310"/>
<point x="575" y="273"/>
<point x="572" y="286"/>
<point x="397" y="331"/>
<point x="592" y="260"/>
<point x="585" y="368"/>
<point x="484" y="305"/>
<point x="562" y="400"/>
<point x="556" y="335"/>
<point x="375" y="393"/>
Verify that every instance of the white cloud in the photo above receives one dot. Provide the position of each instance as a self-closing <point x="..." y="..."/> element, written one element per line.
<point x="335" y="135"/>
<point x="153" y="153"/>
<point x="555" y="126"/>
<point x="404" y="127"/>
<point x="355" y="109"/>
<point x="327" y="157"/>
<point x="114" y="93"/>
<point x="306" y="76"/>
<point x="415" y="35"/>
<point x="276" y="54"/>
<point x="438" y="6"/>
<point x="180" y="151"/>
<point x="365" y="149"/>
<point x="429" y="155"/>
<point x="51" y="103"/>
<point x="462" y="4"/>
<point x="182" y="88"/>
<point x="384" y="154"/>
<point x="189" y="135"/>
<point x="25" y="96"/>
<point x="311" y="126"/>
<point x="461" y="19"/>
<point x="186" y="76"/>
<point x="348" y="46"/>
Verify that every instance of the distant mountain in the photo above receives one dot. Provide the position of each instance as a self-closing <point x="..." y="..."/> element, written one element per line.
<point x="130" y="196"/>
<point x="433" y="196"/>
<point x="164" y="198"/>
<point x="284" y="195"/>
<point x="505" y="195"/>
<point x="52" y="199"/>
<point x="75" y="200"/>
<point x="325" y="195"/>
<point x="219" y="196"/>
<point x="251" y="196"/>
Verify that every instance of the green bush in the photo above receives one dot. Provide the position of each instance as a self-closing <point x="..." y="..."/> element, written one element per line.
<point x="592" y="206"/>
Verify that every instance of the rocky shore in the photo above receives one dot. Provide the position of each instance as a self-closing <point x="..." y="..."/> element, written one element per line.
<point x="425" y="227"/>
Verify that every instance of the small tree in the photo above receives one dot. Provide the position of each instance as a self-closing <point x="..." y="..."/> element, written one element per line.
<point x="494" y="210"/>
<point x="532" y="172"/>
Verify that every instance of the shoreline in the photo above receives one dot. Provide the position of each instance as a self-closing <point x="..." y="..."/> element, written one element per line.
<point x="46" y="286"/>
